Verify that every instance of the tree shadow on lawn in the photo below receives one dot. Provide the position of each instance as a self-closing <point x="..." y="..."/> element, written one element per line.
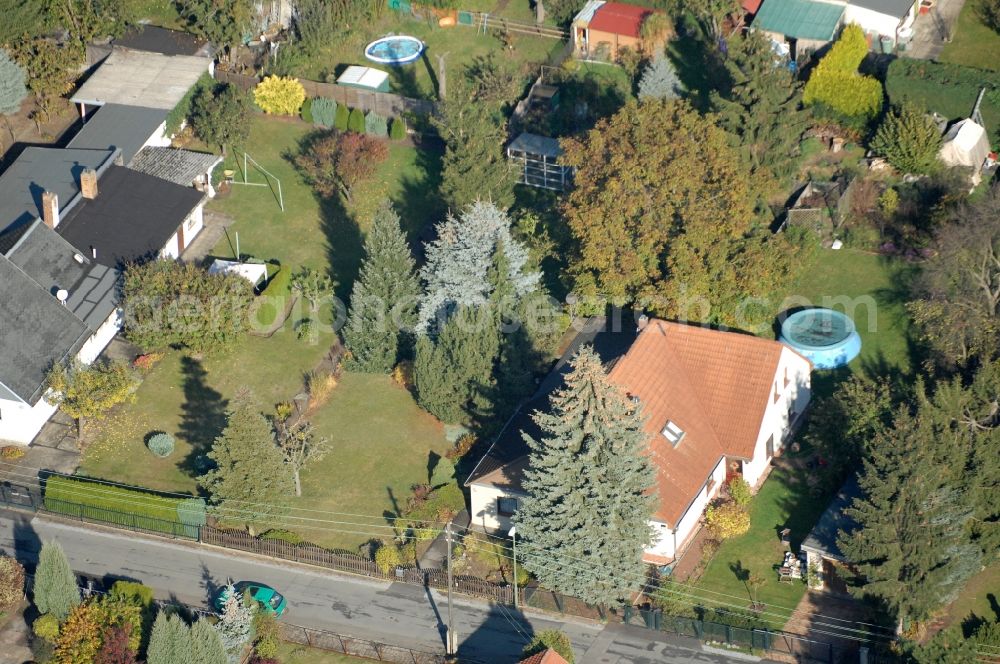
<point x="417" y="202"/>
<point x="203" y="414"/>
<point x="803" y="501"/>
<point x="344" y="244"/>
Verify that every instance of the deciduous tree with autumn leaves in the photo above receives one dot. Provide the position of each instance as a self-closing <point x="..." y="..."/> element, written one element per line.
<point x="662" y="216"/>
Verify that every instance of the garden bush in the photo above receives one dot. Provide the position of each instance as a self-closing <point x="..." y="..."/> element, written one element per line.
<point x="306" y="112"/>
<point x="11" y="582"/>
<point x="835" y="85"/>
<point x="282" y="535"/>
<point x="740" y="492"/>
<point x="376" y="125"/>
<point x="397" y="130"/>
<point x="356" y="121"/>
<point x="277" y="95"/>
<point x="46" y="627"/>
<point x="387" y="558"/>
<point x="727" y="520"/>
<point x="341" y="118"/>
<point x="116" y="504"/>
<point x="324" y="112"/>
<point x="133" y="592"/>
<point x="161" y="444"/>
<point x="12" y="452"/>
<point x="909" y="140"/>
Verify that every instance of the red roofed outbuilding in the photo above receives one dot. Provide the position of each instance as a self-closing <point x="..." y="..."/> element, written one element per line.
<point x="601" y="29"/>
<point x="548" y="656"/>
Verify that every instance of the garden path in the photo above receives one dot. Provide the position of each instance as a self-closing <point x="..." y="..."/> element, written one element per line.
<point x="934" y="29"/>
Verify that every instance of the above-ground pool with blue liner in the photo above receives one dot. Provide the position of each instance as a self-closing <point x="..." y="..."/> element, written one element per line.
<point x="397" y="50"/>
<point x="825" y="337"/>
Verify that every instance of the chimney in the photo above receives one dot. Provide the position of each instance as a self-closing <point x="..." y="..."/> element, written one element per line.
<point x="50" y="209"/>
<point x="88" y="184"/>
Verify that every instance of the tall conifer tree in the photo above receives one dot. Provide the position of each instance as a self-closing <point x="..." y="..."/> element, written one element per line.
<point x="585" y="521"/>
<point x="206" y="644"/>
<point x="250" y="480"/>
<point x="55" y="588"/>
<point x="762" y="109"/>
<point x="384" y="297"/>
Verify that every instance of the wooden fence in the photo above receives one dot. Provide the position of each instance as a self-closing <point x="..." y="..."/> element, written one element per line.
<point x="385" y="104"/>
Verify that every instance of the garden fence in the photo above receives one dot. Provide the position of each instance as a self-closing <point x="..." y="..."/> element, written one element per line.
<point x="385" y="104"/>
<point x="353" y="646"/>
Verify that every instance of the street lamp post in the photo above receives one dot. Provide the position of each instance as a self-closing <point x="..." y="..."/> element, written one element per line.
<point x="513" y="535"/>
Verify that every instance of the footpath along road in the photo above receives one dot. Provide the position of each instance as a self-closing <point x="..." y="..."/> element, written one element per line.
<point x="392" y="613"/>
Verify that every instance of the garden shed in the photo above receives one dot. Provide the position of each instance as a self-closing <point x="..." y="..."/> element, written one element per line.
<point x="601" y="29"/>
<point x="538" y="159"/>
<point x="364" y="78"/>
<point x="965" y="144"/>
<point x="822" y="206"/>
<point x="809" y="23"/>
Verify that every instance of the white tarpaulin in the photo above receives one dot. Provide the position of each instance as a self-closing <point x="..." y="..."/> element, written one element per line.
<point x="252" y="272"/>
<point x="965" y="144"/>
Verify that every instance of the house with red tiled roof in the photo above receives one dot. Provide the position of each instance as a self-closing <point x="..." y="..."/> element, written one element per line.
<point x="716" y="405"/>
<point x="602" y="28"/>
<point x="547" y="656"/>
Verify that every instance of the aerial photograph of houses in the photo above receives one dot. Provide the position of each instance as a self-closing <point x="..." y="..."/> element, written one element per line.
<point x="499" y="331"/>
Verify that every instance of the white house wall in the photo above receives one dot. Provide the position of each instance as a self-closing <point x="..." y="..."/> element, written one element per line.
<point x="193" y="225"/>
<point x="668" y="541"/>
<point x="794" y="396"/>
<point x="483" y="507"/>
<point x="159" y="139"/>
<point x="20" y="422"/>
<point x="872" y="22"/>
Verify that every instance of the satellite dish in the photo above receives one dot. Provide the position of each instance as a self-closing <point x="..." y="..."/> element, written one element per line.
<point x="62" y="295"/>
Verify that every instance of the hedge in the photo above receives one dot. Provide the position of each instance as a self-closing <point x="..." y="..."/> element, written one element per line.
<point x="124" y="506"/>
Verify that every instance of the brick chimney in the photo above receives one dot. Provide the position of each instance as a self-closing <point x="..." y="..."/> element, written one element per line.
<point x="50" y="209"/>
<point x="88" y="184"/>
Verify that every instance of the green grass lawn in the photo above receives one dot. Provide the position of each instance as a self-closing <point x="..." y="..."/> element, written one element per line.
<point x="979" y="597"/>
<point x="381" y="443"/>
<point x="460" y="44"/>
<point x="871" y="289"/>
<point x="974" y="44"/>
<point x="784" y="501"/>
<point x="322" y="234"/>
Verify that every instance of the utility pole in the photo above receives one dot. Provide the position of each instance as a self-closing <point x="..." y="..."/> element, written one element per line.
<point x="513" y="534"/>
<point x="452" y="642"/>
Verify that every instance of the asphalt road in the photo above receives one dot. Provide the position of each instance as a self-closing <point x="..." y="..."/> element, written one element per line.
<point x="392" y="613"/>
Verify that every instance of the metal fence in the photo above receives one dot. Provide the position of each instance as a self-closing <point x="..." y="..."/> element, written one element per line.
<point x="385" y="104"/>
<point x="356" y="647"/>
<point x="127" y="520"/>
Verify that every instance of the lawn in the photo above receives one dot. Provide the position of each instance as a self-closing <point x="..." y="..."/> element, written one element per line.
<point x="293" y="653"/>
<point x="784" y="501"/>
<point x="974" y="44"/>
<point x="979" y="598"/>
<point x="871" y="289"/>
<point x="460" y="44"/>
<point x="322" y="234"/>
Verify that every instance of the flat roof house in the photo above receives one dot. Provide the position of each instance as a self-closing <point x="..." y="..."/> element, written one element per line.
<point x="716" y="404"/>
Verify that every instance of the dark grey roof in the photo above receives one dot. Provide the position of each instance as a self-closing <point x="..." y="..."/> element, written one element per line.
<point x="535" y="144"/>
<point x="822" y="539"/>
<point x="178" y="166"/>
<point x="117" y="126"/>
<point x="35" y="171"/>
<point x="161" y="40"/>
<point x="510" y="449"/>
<point x="54" y="264"/>
<point x="897" y="8"/>
<point x="36" y="331"/>
<point x="132" y="217"/>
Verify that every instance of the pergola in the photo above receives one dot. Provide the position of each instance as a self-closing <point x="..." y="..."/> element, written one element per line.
<point x="538" y="157"/>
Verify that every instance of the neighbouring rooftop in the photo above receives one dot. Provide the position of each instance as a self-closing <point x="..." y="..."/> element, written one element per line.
<point x="822" y="539"/>
<point x="141" y="78"/>
<point x="118" y="126"/>
<point x="800" y="19"/>
<point x="161" y="40"/>
<point x="181" y="167"/>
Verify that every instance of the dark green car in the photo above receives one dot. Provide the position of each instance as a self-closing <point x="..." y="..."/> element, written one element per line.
<point x="269" y="599"/>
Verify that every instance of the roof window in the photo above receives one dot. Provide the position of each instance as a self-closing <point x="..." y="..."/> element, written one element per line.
<point x="672" y="432"/>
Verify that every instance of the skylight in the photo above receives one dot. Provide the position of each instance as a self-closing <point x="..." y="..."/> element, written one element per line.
<point x="672" y="432"/>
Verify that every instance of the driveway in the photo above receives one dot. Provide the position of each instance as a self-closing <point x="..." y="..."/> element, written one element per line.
<point x="934" y="29"/>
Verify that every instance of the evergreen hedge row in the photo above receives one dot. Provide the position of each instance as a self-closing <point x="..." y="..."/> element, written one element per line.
<point x="124" y="506"/>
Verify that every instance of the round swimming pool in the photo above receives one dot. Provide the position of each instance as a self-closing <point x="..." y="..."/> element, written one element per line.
<point x="396" y="50"/>
<point x="824" y="336"/>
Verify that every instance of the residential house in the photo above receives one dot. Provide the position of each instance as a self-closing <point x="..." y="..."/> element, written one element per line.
<point x="717" y="404"/>
<point x="547" y="656"/>
<point x="69" y="219"/>
<point x="56" y="304"/>
<point x="601" y="29"/>
<point x="127" y="128"/>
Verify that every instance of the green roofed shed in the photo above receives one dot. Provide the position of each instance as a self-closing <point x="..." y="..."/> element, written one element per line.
<point x="800" y="19"/>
